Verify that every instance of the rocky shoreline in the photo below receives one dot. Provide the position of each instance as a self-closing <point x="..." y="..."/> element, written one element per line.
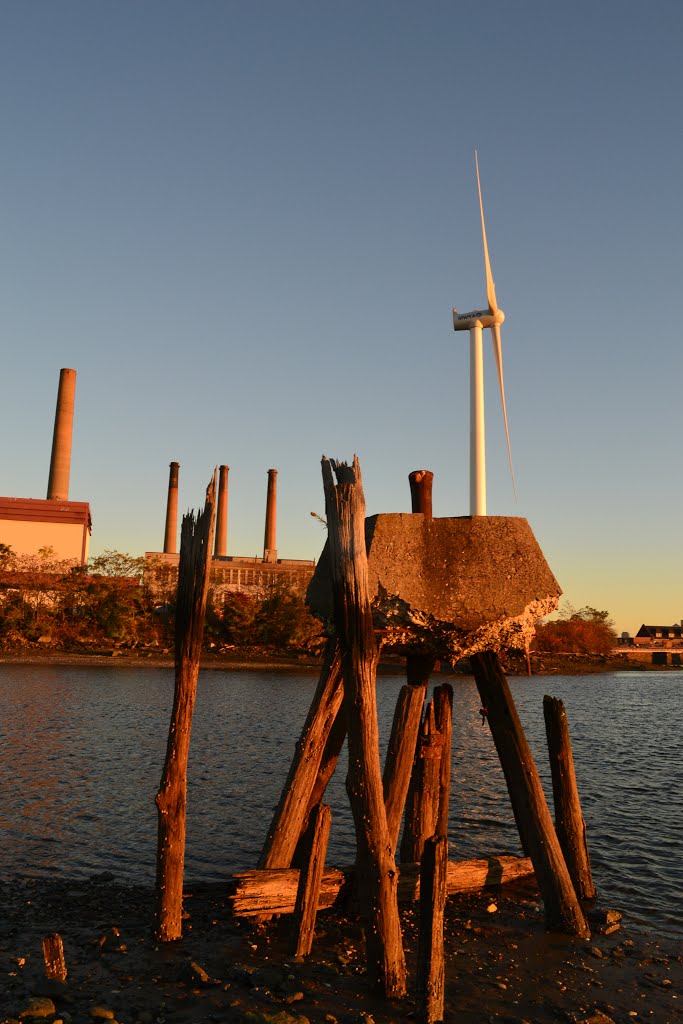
<point x="501" y="964"/>
<point x="270" y="660"/>
<point x="247" y="660"/>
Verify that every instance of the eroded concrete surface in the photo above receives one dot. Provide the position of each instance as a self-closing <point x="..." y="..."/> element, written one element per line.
<point x="454" y="586"/>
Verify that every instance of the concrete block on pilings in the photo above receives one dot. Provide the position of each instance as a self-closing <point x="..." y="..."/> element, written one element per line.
<point x="452" y="586"/>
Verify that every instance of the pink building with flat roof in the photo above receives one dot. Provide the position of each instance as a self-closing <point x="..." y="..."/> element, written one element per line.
<point x="29" y="524"/>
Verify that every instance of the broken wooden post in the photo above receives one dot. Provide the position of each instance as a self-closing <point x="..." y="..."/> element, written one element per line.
<point x="196" y="538"/>
<point x="53" y="956"/>
<point x="292" y="811"/>
<point x="422" y="809"/>
<point x="310" y="877"/>
<point x="377" y="874"/>
<point x="569" y="823"/>
<point x="562" y="909"/>
<point x="431" y="974"/>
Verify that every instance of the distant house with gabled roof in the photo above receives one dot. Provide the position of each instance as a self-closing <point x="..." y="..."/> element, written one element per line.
<point x="659" y="636"/>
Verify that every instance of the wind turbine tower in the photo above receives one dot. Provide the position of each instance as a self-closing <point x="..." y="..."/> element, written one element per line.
<point x="474" y="322"/>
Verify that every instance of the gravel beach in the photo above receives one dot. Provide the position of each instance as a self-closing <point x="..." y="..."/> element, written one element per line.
<point x="501" y="964"/>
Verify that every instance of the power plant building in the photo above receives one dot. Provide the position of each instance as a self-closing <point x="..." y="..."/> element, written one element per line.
<point x="239" y="573"/>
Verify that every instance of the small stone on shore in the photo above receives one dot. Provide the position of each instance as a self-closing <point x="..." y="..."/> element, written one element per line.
<point x="101" y="1013"/>
<point x="294" y="997"/>
<point x="197" y="975"/>
<point x="39" y="1006"/>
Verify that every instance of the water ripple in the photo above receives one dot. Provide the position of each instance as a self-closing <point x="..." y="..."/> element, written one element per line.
<point x="82" y="752"/>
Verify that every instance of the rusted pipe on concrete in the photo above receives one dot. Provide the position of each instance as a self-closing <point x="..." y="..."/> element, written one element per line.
<point x="421" y="491"/>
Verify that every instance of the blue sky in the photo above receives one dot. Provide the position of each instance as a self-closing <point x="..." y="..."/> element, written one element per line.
<point x="245" y="225"/>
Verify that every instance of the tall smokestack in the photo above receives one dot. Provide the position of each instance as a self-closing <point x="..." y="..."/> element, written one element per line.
<point x="270" y="539"/>
<point x="60" y="460"/>
<point x="171" y="533"/>
<point x="221" y="546"/>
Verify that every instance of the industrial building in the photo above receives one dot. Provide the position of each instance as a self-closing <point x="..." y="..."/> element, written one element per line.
<point x="29" y="525"/>
<point x="230" y="573"/>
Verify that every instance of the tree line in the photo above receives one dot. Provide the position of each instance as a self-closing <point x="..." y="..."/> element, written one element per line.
<point x="586" y="631"/>
<point x="126" y="601"/>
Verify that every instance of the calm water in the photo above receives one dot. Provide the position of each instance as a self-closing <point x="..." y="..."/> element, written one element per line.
<point x="81" y="752"/>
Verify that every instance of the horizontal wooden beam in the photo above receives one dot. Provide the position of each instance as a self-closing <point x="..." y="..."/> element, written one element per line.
<point x="274" y="891"/>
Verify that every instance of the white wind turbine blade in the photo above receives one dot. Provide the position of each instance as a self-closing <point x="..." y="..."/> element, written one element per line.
<point x="498" y="353"/>
<point x="490" y="287"/>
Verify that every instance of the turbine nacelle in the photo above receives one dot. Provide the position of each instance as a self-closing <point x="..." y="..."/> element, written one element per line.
<point x="477" y="318"/>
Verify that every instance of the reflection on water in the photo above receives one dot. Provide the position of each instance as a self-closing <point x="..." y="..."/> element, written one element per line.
<point x="81" y="752"/>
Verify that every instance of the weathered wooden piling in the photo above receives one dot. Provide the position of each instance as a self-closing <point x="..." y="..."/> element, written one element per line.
<point x="428" y="795"/>
<point x="171" y="799"/>
<point x="562" y="909"/>
<point x="328" y="763"/>
<point x="398" y="764"/>
<point x="377" y="874"/>
<point x="431" y="969"/>
<point x="431" y="972"/>
<point x="454" y="588"/>
<point x="443" y="713"/>
<point x="569" y="822"/>
<point x="291" y="813"/>
<point x="422" y="808"/>
<point x="310" y="877"/>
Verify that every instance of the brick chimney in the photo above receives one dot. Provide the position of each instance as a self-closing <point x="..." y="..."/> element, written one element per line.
<point x="60" y="460"/>
<point x="171" y="534"/>
<point x="270" y="539"/>
<point x="221" y="545"/>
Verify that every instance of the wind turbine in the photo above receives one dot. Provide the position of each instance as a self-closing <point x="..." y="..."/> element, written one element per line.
<point x="474" y="322"/>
